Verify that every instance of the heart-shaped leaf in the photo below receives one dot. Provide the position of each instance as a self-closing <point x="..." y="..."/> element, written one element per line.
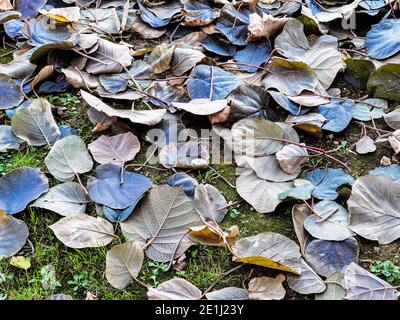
<point x="263" y="195"/>
<point x="20" y="187"/>
<point x="381" y="41"/>
<point x="147" y="117"/>
<point x="328" y="257"/>
<point x="83" y="231"/>
<point x="362" y="285"/>
<point x="326" y="181"/>
<point x="290" y="77"/>
<point x="270" y="250"/>
<point x="161" y="221"/>
<point x="65" y="199"/>
<point x="306" y="283"/>
<point x="106" y="188"/>
<point x="11" y="95"/>
<point x="385" y="82"/>
<point x="175" y="289"/>
<point x="8" y="141"/>
<point x="123" y="262"/>
<point x="211" y="83"/>
<point x="117" y="149"/>
<point x="35" y="124"/>
<point x="13" y="235"/>
<point x="210" y="203"/>
<point x="375" y="209"/>
<point x="257" y="137"/>
<point x="68" y="158"/>
<point x="331" y="222"/>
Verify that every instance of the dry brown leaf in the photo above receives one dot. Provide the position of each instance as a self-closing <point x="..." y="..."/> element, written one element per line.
<point x="264" y="26"/>
<point x="5" y="5"/>
<point x="266" y="288"/>
<point x="206" y="236"/>
<point x="45" y="73"/>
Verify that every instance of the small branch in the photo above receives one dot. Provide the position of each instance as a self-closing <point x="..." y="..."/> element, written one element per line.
<point x="230" y="205"/>
<point x="211" y="82"/>
<point x="225" y="274"/>
<point x="219" y="175"/>
<point x="312" y="149"/>
<point x="81" y="184"/>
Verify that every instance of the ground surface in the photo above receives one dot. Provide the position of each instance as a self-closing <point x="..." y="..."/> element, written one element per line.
<point x="78" y="272"/>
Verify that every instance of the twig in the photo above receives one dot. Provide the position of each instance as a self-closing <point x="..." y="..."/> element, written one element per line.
<point x="145" y="166"/>
<point x="81" y="184"/>
<point x="312" y="149"/>
<point x="225" y="274"/>
<point x="230" y="205"/>
<point x="219" y="175"/>
<point x="211" y="83"/>
<point x="31" y="245"/>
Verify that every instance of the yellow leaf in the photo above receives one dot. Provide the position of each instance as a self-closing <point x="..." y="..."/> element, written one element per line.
<point x="309" y="128"/>
<point x="69" y="14"/>
<point x="264" y="262"/>
<point x="20" y="262"/>
<point x="3" y="217"/>
<point x="206" y="236"/>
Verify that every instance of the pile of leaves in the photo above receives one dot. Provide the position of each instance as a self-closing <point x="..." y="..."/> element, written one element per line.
<point x="257" y="73"/>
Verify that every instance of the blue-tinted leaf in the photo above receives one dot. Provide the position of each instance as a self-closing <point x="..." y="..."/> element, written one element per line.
<point x="181" y="179"/>
<point x="10" y="112"/>
<point x="339" y="114"/>
<point x="40" y="32"/>
<point x="250" y="101"/>
<point x="8" y="141"/>
<point x="287" y="104"/>
<point x="151" y="18"/>
<point x="106" y="187"/>
<point x="383" y="40"/>
<point x="11" y="95"/>
<point x="255" y="53"/>
<point x="326" y="181"/>
<point x="67" y="131"/>
<point x="233" y="23"/>
<point x="29" y="8"/>
<point x="9" y="15"/>
<point x="219" y="46"/>
<point x="223" y="83"/>
<point x="329" y="257"/>
<point x="13" y="28"/>
<point x="59" y="84"/>
<point x="114" y="215"/>
<point x="20" y="187"/>
<point x="366" y="111"/>
<point x="199" y="13"/>
<point x="371" y="5"/>
<point x="113" y="83"/>
<point x="392" y="172"/>
<point x="303" y="192"/>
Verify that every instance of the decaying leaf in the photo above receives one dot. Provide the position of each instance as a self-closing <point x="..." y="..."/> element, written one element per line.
<point x="175" y="289"/>
<point x="123" y="263"/>
<point x="362" y="285"/>
<point x="270" y="250"/>
<point x="65" y="199"/>
<point x="35" y="124"/>
<point x="374" y="209"/>
<point x="68" y="158"/>
<point x="13" y="235"/>
<point x="83" y="231"/>
<point x="117" y="149"/>
<point x="307" y="282"/>
<point x="155" y="223"/>
<point x="265" y="288"/>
